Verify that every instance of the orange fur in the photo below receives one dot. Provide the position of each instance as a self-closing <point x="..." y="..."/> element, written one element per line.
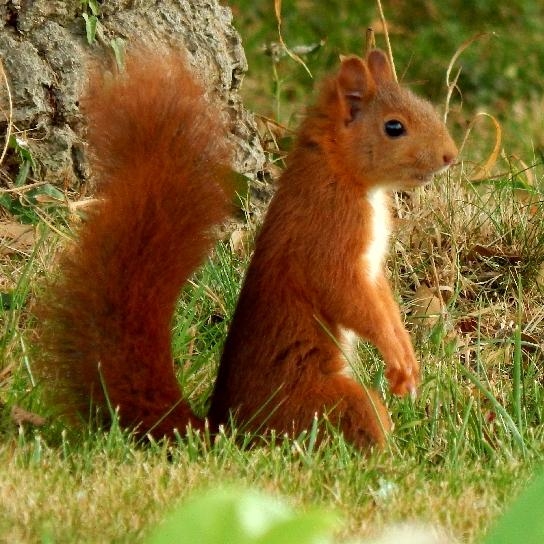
<point x="317" y="269"/>
<point x="162" y="186"/>
<point x="279" y="366"/>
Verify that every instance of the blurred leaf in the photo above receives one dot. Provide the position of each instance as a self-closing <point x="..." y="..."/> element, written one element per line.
<point x="6" y="300"/>
<point x="45" y="194"/>
<point x="20" y="146"/>
<point x="523" y="522"/>
<point x="91" y="23"/>
<point x="118" y="46"/>
<point x="24" y="206"/>
<point x="94" y="7"/>
<point x="22" y="175"/>
<point x="26" y="161"/>
<point x="242" y="517"/>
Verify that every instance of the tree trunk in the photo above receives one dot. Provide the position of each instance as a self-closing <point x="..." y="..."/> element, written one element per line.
<point x="44" y="50"/>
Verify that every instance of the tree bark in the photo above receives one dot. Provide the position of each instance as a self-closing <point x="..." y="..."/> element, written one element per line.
<point x="44" y="50"/>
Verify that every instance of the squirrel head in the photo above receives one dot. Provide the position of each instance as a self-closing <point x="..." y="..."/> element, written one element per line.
<point x="377" y="133"/>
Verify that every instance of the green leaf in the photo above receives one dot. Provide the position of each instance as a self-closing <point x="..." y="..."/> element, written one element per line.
<point x="6" y="300"/>
<point x="91" y="23"/>
<point x="27" y="161"/>
<point x="24" y="208"/>
<point x="46" y="190"/>
<point x="94" y="7"/>
<point x="523" y="522"/>
<point x="308" y="528"/>
<point x="22" y="175"/>
<point x="242" y="517"/>
<point x="7" y="201"/>
<point x="118" y="46"/>
<point x="21" y="147"/>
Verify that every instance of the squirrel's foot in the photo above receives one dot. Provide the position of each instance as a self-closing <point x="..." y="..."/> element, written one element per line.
<point x="403" y="372"/>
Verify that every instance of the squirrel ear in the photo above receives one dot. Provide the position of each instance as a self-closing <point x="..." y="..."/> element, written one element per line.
<point x="354" y="83"/>
<point x="378" y="64"/>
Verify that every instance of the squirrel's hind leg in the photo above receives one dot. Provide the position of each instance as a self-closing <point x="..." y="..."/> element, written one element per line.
<point x="358" y="412"/>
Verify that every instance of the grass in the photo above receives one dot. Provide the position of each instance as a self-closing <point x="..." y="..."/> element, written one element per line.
<point x="468" y="444"/>
<point x="500" y="71"/>
<point x="467" y="262"/>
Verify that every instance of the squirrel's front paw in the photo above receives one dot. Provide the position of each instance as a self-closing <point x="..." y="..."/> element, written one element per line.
<point x="404" y="377"/>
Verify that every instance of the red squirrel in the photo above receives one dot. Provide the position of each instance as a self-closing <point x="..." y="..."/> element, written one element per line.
<point x="161" y="153"/>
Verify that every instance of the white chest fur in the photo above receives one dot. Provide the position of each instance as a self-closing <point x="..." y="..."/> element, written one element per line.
<point x="380" y="228"/>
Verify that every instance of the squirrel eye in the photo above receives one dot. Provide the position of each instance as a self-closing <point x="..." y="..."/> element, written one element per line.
<point x="394" y="128"/>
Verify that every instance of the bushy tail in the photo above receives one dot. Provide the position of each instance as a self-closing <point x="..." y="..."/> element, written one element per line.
<point x="160" y="156"/>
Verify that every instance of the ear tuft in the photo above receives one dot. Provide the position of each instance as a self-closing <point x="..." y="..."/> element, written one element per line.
<point x="378" y="64"/>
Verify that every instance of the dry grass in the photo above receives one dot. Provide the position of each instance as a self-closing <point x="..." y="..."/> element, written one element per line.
<point x="468" y="264"/>
<point x="467" y="445"/>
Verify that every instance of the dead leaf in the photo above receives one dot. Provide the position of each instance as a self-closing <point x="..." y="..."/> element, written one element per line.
<point x="484" y="171"/>
<point x="19" y="416"/>
<point x="428" y="307"/>
<point x="238" y="241"/>
<point x="15" y="237"/>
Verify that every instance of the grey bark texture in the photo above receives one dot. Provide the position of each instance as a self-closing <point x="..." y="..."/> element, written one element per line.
<point x="44" y="51"/>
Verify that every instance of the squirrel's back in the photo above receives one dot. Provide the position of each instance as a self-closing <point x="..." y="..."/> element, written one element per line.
<point x="163" y="184"/>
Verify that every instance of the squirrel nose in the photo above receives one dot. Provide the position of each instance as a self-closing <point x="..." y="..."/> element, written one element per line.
<point x="449" y="153"/>
<point x="448" y="158"/>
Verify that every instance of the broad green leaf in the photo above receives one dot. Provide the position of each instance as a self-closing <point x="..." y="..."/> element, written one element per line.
<point x="236" y="516"/>
<point x="523" y="522"/>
